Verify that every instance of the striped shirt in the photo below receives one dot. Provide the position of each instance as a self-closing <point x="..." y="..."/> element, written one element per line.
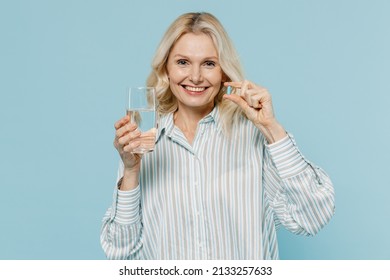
<point x="219" y="198"/>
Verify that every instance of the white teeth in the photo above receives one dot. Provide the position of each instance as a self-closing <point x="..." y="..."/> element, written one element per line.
<point x="195" y="88"/>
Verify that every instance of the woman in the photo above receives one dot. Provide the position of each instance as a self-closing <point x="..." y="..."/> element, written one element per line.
<point x="224" y="173"/>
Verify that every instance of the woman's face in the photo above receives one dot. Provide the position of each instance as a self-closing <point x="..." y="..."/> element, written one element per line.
<point x="195" y="76"/>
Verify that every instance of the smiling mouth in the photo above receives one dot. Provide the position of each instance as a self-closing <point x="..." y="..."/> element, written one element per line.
<point x="194" y="89"/>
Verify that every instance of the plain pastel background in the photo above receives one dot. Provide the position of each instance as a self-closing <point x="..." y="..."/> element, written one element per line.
<point x="64" y="67"/>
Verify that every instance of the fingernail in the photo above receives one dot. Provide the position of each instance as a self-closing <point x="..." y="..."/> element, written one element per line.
<point x="229" y="90"/>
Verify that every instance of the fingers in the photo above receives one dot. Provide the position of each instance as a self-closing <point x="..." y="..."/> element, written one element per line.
<point x="125" y="129"/>
<point x="256" y="98"/>
<point x="239" y="101"/>
<point x="127" y="138"/>
<point x="121" y="122"/>
<point x="254" y="95"/>
<point x="239" y="84"/>
<point x="242" y="85"/>
<point x="245" y="85"/>
<point x="131" y="146"/>
<point x="125" y="134"/>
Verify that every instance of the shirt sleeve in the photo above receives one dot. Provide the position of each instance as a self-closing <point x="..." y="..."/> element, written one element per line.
<point x="300" y="193"/>
<point x="121" y="232"/>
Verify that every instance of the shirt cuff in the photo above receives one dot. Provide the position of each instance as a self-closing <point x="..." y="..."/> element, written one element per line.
<point x="127" y="208"/>
<point x="287" y="159"/>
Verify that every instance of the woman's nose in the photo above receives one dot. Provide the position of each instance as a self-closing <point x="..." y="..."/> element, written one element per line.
<point x="196" y="75"/>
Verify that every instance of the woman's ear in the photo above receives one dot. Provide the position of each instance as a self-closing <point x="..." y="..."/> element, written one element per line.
<point x="225" y="78"/>
<point x="166" y="72"/>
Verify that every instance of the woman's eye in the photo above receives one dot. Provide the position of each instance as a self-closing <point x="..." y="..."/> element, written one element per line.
<point x="210" y="64"/>
<point x="181" y="62"/>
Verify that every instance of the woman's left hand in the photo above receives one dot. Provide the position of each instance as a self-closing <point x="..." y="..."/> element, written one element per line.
<point x="256" y="102"/>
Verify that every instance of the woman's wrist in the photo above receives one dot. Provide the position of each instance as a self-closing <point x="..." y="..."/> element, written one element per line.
<point x="129" y="180"/>
<point x="273" y="132"/>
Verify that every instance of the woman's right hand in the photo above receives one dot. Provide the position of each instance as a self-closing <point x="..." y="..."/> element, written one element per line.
<point x="125" y="142"/>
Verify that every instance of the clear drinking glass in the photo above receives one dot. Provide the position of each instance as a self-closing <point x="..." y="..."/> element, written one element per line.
<point x="141" y="108"/>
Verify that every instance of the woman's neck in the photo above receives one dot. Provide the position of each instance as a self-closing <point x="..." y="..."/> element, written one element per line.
<point x="187" y="121"/>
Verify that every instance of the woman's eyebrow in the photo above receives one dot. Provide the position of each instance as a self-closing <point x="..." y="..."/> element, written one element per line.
<point x="205" y="58"/>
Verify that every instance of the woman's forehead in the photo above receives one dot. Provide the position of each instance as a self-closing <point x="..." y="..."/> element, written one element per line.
<point x="194" y="45"/>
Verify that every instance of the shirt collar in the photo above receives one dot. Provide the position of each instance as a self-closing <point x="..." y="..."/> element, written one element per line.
<point x="166" y="124"/>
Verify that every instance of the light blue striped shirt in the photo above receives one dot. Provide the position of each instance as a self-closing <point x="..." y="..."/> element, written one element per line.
<point x="219" y="198"/>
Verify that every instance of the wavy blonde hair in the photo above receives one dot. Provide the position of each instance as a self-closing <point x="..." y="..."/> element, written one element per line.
<point x="228" y="59"/>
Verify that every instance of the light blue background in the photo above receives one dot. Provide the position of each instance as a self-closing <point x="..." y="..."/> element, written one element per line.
<point x="64" y="68"/>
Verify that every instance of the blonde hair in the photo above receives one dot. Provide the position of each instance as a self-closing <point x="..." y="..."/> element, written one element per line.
<point x="228" y="59"/>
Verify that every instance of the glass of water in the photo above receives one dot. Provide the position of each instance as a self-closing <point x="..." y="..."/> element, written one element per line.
<point x="141" y="108"/>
